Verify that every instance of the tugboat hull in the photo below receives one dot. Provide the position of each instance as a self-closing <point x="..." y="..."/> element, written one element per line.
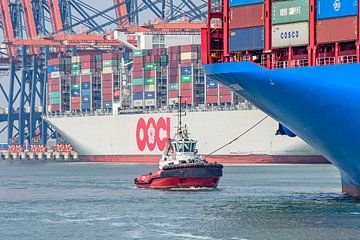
<point x="180" y="177"/>
<point x="176" y="182"/>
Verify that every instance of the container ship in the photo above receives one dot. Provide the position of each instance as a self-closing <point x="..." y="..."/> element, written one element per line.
<point x="297" y="62"/>
<point x="120" y="106"/>
<point x="143" y="86"/>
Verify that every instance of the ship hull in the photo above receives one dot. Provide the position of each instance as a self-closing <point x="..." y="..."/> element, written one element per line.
<point x="227" y="159"/>
<point x="141" y="138"/>
<point x="318" y="104"/>
<point x="181" y="183"/>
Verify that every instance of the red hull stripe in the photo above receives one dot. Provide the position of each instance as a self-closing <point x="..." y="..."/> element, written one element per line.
<point x="176" y="182"/>
<point x="231" y="159"/>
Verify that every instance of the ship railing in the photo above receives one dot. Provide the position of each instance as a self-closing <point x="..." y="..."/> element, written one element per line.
<point x="229" y="107"/>
<point x="347" y="59"/>
<point x="325" y="61"/>
<point x="300" y="63"/>
<point x="281" y="64"/>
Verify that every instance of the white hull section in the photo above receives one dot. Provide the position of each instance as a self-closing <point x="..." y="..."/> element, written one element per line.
<point x="146" y="134"/>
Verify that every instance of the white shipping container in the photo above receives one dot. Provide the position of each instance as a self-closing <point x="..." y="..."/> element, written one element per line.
<point x="138" y="103"/>
<point x="149" y="102"/>
<point x="149" y="88"/>
<point x="109" y="69"/>
<point x="189" y="56"/>
<point x="56" y="74"/>
<point x="293" y="34"/>
<point x="173" y="101"/>
<point x="75" y="59"/>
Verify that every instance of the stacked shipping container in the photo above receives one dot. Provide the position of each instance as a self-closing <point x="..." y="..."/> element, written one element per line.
<point x="337" y="21"/>
<point x="290" y="21"/>
<point x="58" y="84"/>
<point x="246" y="25"/>
<point x="94" y="81"/>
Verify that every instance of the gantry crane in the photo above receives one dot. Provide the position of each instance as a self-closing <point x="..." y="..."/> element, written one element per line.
<point x="28" y="48"/>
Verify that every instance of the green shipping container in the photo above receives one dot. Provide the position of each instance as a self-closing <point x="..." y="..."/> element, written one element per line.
<point x="149" y="81"/>
<point x="75" y="86"/>
<point x="110" y="63"/>
<point x="140" y="53"/>
<point x="173" y="86"/>
<point x="138" y="81"/>
<point x="163" y="59"/>
<point x="75" y="73"/>
<point x="186" y="78"/>
<point x="75" y="66"/>
<point x="151" y="66"/>
<point x="55" y="94"/>
<point x="55" y="101"/>
<point x="290" y="11"/>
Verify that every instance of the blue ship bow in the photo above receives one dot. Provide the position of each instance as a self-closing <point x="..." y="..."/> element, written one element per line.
<point x="319" y="104"/>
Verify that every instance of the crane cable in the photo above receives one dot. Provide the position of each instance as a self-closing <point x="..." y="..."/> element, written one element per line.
<point x="237" y="138"/>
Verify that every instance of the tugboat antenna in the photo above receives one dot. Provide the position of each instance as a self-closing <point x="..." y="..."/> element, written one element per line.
<point x="179" y="116"/>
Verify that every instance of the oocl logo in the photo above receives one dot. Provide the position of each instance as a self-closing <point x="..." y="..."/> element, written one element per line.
<point x="152" y="133"/>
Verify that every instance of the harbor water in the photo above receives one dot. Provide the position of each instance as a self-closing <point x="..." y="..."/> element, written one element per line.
<point x="99" y="201"/>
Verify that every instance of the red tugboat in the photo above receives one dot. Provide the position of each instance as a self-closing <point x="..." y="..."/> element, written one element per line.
<point x="181" y="166"/>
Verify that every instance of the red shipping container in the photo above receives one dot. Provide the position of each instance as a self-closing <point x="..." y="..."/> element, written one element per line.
<point x="174" y="50"/>
<point x="53" y="80"/>
<point x="86" y="78"/>
<point x="75" y="106"/>
<point x="138" y="67"/>
<point x="88" y="58"/>
<point x="224" y="90"/>
<point x="54" y="87"/>
<point x="173" y="94"/>
<point x="139" y="60"/>
<point x="190" y="48"/>
<point x="87" y="65"/>
<point x="107" y="84"/>
<point x="75" y="100"/>
<point x="107" y="98"/>
<point x="337" y="30"/>
<point x="138" y="74"/>
<point x="186" y="100"/>
<point x="186" y="86"/>
<point x="107" y="91"/>
<point x="211" y="99"/>
<point x="225" y="98"/>
<point x="246" y="16"/>
<point x="75" y="79"/>
<point x="149" y="73"/>
<point x="55" y="108"/>
<point x="212" y="91"/>
<point x="110" y="56"/>
<point x="186" y="93"/>
<point x="107" y="76"/>
<point x="138" y="89"/>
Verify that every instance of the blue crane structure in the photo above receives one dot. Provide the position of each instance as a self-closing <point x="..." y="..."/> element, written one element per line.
<point x="23" y="88"/>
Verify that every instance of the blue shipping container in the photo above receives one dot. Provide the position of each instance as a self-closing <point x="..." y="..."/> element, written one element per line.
<point x="85" y="92"/>
<point x="336" y="8"/>
<point x="234" y="3"/>
<point x="138" y="95"/>
<point x="149" y="95"/>
<point x="107" y="104"/>
<point x="85" y="85"/>
<point x="85" y="98"/>
<point x="246" y="39"/>
<point x="186" y="71"/>
<point x="85" y="106"/>
<point x="75" y="93"/>
<point x="56" y="68"/>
